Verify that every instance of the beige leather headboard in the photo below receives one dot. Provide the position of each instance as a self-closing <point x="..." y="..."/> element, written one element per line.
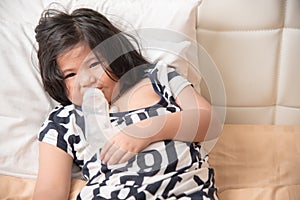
<point x="256" y="46"/>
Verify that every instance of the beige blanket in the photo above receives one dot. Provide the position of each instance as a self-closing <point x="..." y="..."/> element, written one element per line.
<point x="251" y="162"/>
<point x="15" y="188"/>
<point x="255" y="162"/>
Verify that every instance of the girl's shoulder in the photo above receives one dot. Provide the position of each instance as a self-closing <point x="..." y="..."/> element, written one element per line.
<point x="160" y="67"/>
<point x="166" y="75"/>
<point x="163" y="71"/>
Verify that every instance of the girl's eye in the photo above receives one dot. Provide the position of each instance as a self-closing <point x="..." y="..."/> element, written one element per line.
<point x="94" y="64"/>
<point x="69" y="75"/>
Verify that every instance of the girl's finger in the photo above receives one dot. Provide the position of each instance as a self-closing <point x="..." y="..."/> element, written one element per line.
<point x="105" y="149"/>
<point x="128" y="155"/>
<point x="116" y="156"/>
<point x="107" y="154"/>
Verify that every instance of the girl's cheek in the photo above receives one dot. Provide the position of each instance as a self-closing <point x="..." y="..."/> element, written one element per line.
<point x="76" y="92"/>
<point x="70" y="87"/>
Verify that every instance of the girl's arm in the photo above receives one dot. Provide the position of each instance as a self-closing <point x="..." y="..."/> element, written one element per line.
<point x="54" y="175"/>
<point x="190" y="124"/>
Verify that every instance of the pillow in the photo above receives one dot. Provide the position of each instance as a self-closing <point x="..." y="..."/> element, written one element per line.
<point x="24" y="103"/>
<point x="167" y="31"/>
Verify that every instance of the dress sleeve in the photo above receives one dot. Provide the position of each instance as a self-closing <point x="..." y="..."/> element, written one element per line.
<point x="176" y="81"/>
<point x="170" y="78"/>
<point x="60" y="130"/>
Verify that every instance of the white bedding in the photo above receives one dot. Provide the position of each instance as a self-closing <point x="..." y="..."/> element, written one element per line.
<point x="24" y="105"/>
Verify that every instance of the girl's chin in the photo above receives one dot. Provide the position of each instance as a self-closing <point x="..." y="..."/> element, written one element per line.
<point x="76" y="101"/>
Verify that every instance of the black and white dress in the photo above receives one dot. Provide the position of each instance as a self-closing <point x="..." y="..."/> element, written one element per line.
<point x="164" y="170"/>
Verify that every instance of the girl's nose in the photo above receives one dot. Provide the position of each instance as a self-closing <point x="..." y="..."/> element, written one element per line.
<point x="87" y="80"/>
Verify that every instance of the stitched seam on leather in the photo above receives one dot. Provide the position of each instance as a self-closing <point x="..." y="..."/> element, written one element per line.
<point x="279" y="63"/>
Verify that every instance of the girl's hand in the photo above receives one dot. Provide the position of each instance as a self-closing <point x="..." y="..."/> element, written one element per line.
<point x="121" y="147"/>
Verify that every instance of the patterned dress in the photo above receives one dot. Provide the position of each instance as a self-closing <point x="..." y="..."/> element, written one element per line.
<point x="164" y="170"/>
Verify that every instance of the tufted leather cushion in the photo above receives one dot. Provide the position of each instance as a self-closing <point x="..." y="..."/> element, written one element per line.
<point x="255" y="45"/>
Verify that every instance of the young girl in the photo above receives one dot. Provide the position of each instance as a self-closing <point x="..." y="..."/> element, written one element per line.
<point x="160" y="118"/>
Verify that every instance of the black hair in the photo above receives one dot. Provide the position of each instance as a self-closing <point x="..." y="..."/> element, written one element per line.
<point x="58" y="32"/>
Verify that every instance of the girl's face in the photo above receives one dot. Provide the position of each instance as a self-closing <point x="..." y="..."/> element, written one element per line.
<point x="81" y="70"/>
